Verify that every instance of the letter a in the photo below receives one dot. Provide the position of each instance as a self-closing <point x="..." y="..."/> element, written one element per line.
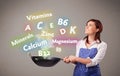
<point x="27" y="28"/>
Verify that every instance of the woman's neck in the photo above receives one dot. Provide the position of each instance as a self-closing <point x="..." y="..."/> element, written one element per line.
<point x="91" y="38"/>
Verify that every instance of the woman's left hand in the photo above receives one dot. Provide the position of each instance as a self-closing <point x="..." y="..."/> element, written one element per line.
<point x="72" y="58"/>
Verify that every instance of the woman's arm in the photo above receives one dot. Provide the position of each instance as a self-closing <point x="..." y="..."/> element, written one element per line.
<point x="74" y="59"/>
<point x="91" y="62"/>
<point x="99" y="56"/>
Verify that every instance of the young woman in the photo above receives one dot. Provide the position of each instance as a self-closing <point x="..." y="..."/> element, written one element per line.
<point x="89" y="51"/>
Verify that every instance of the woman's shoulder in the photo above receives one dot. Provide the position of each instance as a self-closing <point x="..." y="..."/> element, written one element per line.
<point x="81" y="41"/>
<point x="102" y="44"/>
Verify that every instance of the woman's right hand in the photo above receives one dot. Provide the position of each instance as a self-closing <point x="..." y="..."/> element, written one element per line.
<point x="66" y="59"/>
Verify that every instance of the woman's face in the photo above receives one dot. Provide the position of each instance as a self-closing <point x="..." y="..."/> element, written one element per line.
<point x="90" y="28"/>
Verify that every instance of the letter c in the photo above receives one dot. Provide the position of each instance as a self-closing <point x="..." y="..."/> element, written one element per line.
<point x="39" y="25"/>
<point x="25" y="48"/>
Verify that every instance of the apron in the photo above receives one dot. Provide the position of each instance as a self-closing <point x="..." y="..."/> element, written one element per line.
<point x="81" y="69"/>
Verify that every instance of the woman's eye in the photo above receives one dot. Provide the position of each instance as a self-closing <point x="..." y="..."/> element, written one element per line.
<point x="90" y="25"/>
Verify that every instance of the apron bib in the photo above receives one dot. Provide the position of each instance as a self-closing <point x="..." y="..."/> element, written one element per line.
<point x="81" y="69"/>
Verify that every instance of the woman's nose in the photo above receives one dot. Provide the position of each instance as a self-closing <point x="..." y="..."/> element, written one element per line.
<point x="86" y="27"/>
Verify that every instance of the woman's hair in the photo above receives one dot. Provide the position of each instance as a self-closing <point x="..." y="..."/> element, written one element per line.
<point x="99" y="26"/>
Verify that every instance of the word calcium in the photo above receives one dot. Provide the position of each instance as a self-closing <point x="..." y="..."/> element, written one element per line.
<point x="35" y="45"/>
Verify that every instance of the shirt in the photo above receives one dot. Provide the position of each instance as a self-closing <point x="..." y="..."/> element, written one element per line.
<point x="101" y="47"/>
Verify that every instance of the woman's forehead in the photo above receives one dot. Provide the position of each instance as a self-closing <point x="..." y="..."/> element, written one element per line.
<point x="91" y="22"/>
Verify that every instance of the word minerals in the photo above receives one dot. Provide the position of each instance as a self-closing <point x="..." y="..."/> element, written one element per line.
<point x="22" y="39"/>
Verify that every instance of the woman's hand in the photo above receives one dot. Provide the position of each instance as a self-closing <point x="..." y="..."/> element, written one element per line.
<point x="72" y="59"/>
<point x="66" y="59"/>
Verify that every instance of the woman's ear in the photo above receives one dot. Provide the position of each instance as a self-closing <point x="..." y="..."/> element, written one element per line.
<point x="97" y="30"/>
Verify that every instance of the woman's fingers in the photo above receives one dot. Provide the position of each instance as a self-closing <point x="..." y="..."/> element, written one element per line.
<point x="66" y="60"/>
<point x="69" y="59"/>
<point x="72" y="58"/>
